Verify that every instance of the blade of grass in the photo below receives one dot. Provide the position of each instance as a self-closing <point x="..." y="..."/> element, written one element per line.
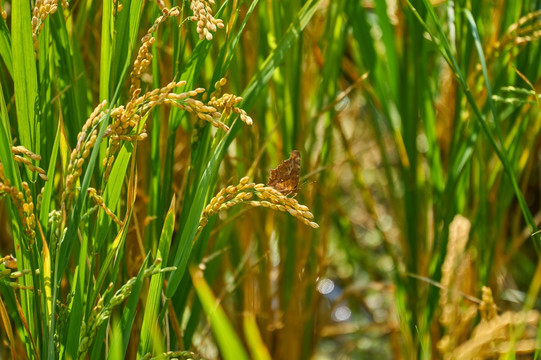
<point x="5" y="47"/>
<point x="6" y="157"/>
<point x="113" y="191"/>
<point x="24" y="74"/>
<point x="187" y="235"/>
<point x="122" y="333"/>
<point x="76" y="315"/>
<point x="253" y="338"/>
<point x="7" y="327"/>
<point x="211" y="272"/>
<point x="74" y="105"/>
<point x="228" y="342"/>
<point x="126" y="27"/>
<point x="266" y="69"/>
<point x="150" y="327"/>
<point x="106" y="49"/>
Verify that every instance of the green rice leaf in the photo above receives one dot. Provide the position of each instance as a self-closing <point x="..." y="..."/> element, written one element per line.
<point x="122" y="332"/>
<point x="228" y="342"/>
<point x="150" y="329"/>
<point x="24" y="74"/>
<point x="5" y="46"/>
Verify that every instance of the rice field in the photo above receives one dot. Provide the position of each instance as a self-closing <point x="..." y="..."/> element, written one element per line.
<point x="301" y="179"/>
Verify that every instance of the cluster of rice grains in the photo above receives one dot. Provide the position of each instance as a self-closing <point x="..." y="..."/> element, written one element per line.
<point x="86" y="139"/>
<point x="9" y="273"/>
<point x="495" y="335"/>
<point x="22" y="200"/>
<point x="42" y="9"/>
<point x="267" y="195"/>
<point x="206" y="23"/>
<point x="527" y="29"/>
<point x="227" y="104"/>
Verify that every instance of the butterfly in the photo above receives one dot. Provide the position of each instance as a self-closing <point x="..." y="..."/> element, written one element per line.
<point x="285" y="178"/>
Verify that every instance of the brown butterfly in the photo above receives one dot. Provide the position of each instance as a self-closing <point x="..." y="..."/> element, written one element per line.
<point x="285" y="178"/>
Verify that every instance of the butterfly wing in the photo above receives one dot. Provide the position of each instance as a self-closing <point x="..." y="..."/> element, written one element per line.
<point x="285" y="178"/>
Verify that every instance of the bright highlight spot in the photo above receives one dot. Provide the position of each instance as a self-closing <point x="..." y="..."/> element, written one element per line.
<point x="325" y="286"/>
<point x="341" y="313"/>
